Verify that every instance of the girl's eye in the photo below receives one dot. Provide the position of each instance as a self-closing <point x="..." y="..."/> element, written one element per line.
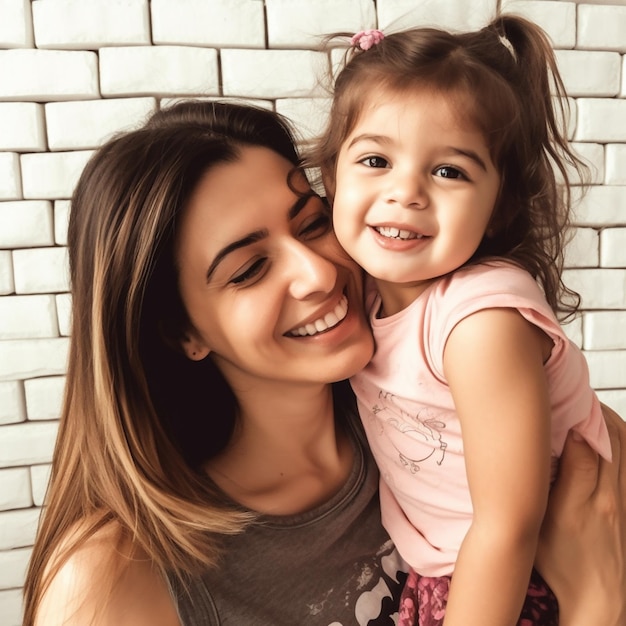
<point x="449" y="171"/>
<point x="375" y="161"/>
<point x="252" y="271"/>
<point x="316" y="226"/>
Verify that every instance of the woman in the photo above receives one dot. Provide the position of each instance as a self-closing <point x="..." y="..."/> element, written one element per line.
<point x="208" y="467"/>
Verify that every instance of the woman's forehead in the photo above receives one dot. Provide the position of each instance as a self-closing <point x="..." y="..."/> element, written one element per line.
<point x="248" y="193"/>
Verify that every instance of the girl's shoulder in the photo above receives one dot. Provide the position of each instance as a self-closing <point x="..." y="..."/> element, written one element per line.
<point x="107" y="580"/>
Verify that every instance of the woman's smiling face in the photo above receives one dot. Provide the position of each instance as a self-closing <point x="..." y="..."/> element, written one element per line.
<point x="269" y="291"/>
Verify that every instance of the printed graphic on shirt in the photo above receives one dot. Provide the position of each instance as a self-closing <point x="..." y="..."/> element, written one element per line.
<point x="421" y="433"/>
<point x="373" y="589"/>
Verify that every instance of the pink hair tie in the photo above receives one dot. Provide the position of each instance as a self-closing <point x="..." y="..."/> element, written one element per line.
<point x="365" y="39"/>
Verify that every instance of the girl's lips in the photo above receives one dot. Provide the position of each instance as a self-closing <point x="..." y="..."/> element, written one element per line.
<point x="324" y="323"/>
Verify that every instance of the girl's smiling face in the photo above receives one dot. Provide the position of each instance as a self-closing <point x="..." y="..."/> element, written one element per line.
<point x="414" y="192"/>
<point x="269" y="292"/>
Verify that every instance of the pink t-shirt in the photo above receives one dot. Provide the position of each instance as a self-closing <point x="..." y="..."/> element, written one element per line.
<point x="409" y="416"/>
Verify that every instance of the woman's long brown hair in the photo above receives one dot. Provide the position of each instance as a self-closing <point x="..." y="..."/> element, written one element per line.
<point x="138" y="417"/>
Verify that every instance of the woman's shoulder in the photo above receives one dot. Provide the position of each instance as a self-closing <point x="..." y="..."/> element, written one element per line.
<point x="106" y="580"/>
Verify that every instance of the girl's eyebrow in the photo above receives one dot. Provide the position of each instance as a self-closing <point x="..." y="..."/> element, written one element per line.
<point x="369" y="137"/>
<point x="254" y="236"/>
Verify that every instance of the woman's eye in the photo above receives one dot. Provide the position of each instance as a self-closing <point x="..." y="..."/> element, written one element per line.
<point x="316" y="226"/>
<point x="252" y="271"/>
<point x="375" y="161"/>
<point x="448" y="171"/>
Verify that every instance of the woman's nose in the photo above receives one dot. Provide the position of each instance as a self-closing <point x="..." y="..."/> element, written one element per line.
<point x="408" y="189"/>
<point x="311" y="273"/>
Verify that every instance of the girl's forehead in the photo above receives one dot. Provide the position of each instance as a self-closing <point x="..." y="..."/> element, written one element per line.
<point x="457" y="105"/>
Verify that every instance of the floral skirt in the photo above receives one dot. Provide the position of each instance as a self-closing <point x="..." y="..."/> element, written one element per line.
<point x="423" y="602"/>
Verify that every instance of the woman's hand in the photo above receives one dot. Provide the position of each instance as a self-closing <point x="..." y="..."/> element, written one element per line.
<point x="582" y="549"/>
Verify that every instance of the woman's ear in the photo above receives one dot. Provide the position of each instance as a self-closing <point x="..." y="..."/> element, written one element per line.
<point x="194" y="348"/>
<point x="186" y="342"/>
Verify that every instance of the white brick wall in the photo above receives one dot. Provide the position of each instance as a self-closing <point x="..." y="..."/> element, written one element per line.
<point x="73" y="72"/>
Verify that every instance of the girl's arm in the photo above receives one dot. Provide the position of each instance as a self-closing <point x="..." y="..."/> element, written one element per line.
<point x="493" y="363"/>
<point x="582" y="548"/>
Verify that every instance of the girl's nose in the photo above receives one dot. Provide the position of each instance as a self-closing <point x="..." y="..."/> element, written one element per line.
<point x="311" y="273"/>
<point x="408" y="189"/>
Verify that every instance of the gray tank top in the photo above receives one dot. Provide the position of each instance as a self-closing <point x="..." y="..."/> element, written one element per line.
<point x="332" y="566"/>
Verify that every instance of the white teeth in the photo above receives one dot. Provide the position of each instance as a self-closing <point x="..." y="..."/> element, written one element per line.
<point x="324" y="323"/>
<point x="396" y="233"/>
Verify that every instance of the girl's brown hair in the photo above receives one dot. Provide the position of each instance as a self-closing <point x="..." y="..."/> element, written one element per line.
<point x="500" y="79"/>
<point x="138" y="417"/>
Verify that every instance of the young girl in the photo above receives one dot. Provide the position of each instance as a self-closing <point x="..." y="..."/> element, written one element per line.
<point x="439" y="160"/>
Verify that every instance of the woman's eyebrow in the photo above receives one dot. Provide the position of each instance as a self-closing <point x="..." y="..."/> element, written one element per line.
<point x="249" y="239"/>
<point x="300" y="203"/>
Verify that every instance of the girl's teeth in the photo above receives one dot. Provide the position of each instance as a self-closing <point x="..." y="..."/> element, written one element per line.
<point x="328" y="321"/>
<point x="396" y="233"/>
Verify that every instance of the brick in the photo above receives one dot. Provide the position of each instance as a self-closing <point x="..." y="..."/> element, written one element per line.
<point x="602" y="27"/>
<point x="592" y="155"/>
<point x="22" y="126"/>
<point x="10" y="179"/>
<point x="11" y="607"/>
<point x="28" y="317"/>
<point x="256" y="102"/>
<point x="61" y="221"/>
<point x="272" y="73"/>
<point x="47" y="75"/>
<point x="89" y="24"/>
<point x="13" y="565"/>
<point x="589" y="73"/>
<point x="300" y="23"/>
<point x="158" y="70"/>
<point x="18" y="528"/>
<point x="615" y="398"/>
<point x="25" y="224"/>
<point x="41" y="270"/>
<point x="27" y="443"/>
<point x="64" y="313"/>
<point x="6" y="272"/>
<point x="606" y="368"/>
<point x="599" y="288"/>
<point x="44" y="397"/>
<point x="28" y="358"/>
<point x="558" y="19"/>
<point x="16" y="28"/>
<point x="615" y="173"/>
<point x="604" y="330"/>
<point x="308" y="115"/>
<point x="452" y="14"/>
<point x="584" y="248"/>
<point x="39" y="478"/>
<point x="613" y="247"/>
<point x="601" y="205"/>
<point x="15" y="490"/>
<point x="601" y="119"/>
<point x="12" y="404"/>
<point x="52" y="175"/>
<point x="219" y="23"/>
<point x="80" y="125"/>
